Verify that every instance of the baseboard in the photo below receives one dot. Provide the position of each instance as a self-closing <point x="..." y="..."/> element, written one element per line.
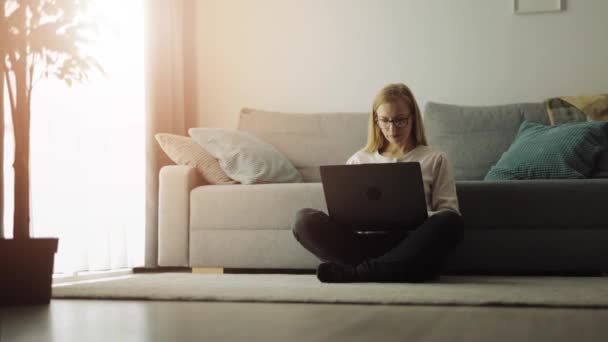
<point x="269" y="270"/>
<point x="565" y="273"/>
<point x="221" y="270"/>
<point x="160" y="269"/>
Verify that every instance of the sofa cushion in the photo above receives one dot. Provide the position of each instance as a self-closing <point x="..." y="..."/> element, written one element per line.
<point x="183" y="151"/>
<point x="562" y="151"/>
<point x="261" y="206"/>
<point x="601" y="166"/>
<point x="249" y="248"/>
<point x="244" y="157"/>
<point x="599" y="174"/>
<point x="534" y="204"/>
<point x="526" y="204"/>
<point x="309" y="139"/>
<point x="475" y="137"/>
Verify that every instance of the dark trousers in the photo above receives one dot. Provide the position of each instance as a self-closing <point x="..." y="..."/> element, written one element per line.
<point x="402" y="255"/>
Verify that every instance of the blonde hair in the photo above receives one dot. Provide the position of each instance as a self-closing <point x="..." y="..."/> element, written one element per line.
<point x="393" y="93"/>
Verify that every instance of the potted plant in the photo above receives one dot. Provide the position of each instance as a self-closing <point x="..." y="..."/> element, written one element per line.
<point x="38" y="39"/>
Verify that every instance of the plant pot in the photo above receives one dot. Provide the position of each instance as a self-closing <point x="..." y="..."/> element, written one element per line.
<point x="26" y="269"/>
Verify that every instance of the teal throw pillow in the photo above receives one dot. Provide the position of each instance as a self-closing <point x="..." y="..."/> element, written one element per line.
<point x="541" y="152"/>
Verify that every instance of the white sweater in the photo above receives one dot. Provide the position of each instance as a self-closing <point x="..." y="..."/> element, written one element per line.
<point x="437" y="175"/>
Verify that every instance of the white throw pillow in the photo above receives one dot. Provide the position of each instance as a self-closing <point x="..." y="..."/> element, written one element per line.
<point x="245" y="157"/>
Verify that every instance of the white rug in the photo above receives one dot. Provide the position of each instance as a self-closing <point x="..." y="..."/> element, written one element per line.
<point x="590" y="292"/>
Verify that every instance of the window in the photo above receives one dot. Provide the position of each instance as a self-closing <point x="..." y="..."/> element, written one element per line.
<point x="87" y="152"/>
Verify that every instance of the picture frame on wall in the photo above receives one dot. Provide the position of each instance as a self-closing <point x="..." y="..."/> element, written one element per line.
<point x="538" y="6"/>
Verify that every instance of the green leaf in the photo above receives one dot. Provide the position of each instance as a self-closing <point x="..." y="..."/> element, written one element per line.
<point x="47" y="36"/>
<point x="50" y="8"/>
<point x="55" y="41"/>
<point x="16" y="19"/>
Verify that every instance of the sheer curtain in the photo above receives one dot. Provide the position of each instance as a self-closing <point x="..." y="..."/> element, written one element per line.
<point x="170" y="93"/>
<point x="88" y="152"/>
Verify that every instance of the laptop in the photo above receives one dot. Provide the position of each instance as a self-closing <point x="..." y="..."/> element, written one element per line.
<point x="375" y="197"/>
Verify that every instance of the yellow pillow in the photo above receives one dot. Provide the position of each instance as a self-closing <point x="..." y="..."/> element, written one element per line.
<point x="183" y="150"/>
<point x="577" y="108"/>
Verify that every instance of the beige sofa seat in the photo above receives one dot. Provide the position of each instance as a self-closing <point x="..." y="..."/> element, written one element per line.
<point x="250" y="225"/>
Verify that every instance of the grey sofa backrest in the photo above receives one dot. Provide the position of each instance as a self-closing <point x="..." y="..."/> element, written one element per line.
<point x="474" y="137"/>
<point x="309" y="140"/>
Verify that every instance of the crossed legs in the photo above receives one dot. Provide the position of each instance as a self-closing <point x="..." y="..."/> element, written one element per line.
<point x="414" y="255"/>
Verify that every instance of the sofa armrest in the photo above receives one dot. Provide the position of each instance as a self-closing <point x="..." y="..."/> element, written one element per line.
<point x="175" y="184"/>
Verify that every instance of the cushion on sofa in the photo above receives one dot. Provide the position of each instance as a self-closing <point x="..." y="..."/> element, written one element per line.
<point x="474" y="137"/>
<point x="538" y="204"/>
<point x="308" y="139"/>
<point x="542" y="152"/>
<point x="601" y="166"/>
<point x="599" y="174"/>
<point x="183" y="151"/>
<point x="245" y="157"/>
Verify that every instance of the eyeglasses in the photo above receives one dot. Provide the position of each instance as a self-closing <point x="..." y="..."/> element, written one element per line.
<point x="398" y="123"/>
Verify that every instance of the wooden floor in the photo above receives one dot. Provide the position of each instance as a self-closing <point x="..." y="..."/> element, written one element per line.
<point x="97" y="320"/>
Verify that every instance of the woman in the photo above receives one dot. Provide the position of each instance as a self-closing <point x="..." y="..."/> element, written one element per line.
<point x="396" y="134"/>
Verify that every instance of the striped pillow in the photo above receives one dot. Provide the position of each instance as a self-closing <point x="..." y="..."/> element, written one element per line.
<point x="245" y="157"/>
<point x="183" y="151"/>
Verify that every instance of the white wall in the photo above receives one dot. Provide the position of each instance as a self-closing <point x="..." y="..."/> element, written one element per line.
<point x="334" y="55"/>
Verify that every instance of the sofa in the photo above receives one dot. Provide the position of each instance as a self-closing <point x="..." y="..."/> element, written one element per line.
<point x="522" y="226"/>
